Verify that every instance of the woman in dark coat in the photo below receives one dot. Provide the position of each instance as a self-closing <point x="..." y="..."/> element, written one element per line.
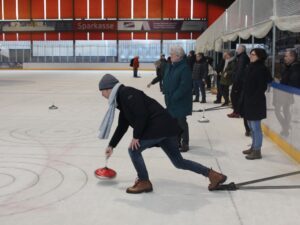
<point x="253" y="99"/>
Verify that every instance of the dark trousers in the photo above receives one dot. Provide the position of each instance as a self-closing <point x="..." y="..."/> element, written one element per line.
<point x="225" y="92"/>
<point x="235" y="94"/>
<point x="183" y="137"/>
<point x="199" y="84"/>
<point x="219" y="92"/>
<point x="135" y="72"/>
<point x="208" y="82"/>
<point x="246" y="124"/>
<point x="170" y="147"/>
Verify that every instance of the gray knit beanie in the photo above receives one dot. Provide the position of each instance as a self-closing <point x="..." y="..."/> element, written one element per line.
<point x="108" y="81"/>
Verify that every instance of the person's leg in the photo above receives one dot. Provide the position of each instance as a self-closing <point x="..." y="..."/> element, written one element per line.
<point x="219" y="93"/>
<point x="134" y="72"/>
<point x="257" y="138"/>
<point x="185" y="133"/>
<point x="142" y="183"/>
<point x="247" y="128"/>
<point x="203" y="94"/>
<point x="226" y="94"/>
<point x="196" y="90"/>
<point x="137" y="158"/>
<point x="169" y="146"/>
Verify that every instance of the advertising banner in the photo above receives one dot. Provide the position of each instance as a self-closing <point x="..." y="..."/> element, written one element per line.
<point x="105" y="25"/>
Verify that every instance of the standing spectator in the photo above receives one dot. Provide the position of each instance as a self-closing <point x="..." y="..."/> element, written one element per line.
<point x="238" y="77"/>
<point x="177" y="86"/>
<point x="226" y="76"/>
<point x="160" y="66"/>
<point x="253" y="99"/>
<point x="219" y="71"/>
<point x="237" y="87"/>
<point x="209" y="62"/>
<point x="135" y="66"/>
<point x="291" y="74"/>
<point x="191" y="59"/>
<point x="199" y="74"/>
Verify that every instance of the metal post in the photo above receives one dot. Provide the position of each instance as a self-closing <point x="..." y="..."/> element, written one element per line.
<point x="273" y="50"/>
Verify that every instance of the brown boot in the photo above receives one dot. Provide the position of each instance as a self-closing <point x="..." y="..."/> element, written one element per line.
<point x="215" y="179"/>
<point x="255" y="154"/>
<point x="140" y="186"/>
<point x="248" y="151"/>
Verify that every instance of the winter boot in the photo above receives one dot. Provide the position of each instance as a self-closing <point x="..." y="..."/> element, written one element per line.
<point x="255" y="154"/>
<point x="248" y="151"/>
<point x="140" y="186"/>
<point x="215" y="179"/>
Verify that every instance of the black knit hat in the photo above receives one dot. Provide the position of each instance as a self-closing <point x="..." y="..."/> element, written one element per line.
<point x="108" y="81"/>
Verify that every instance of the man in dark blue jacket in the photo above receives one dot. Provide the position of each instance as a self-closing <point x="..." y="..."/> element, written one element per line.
<point x="177" y="86"/>
<point x="152" y="126"/>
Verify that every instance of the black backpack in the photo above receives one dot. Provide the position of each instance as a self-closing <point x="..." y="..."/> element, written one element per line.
<point x="131" y="63"/>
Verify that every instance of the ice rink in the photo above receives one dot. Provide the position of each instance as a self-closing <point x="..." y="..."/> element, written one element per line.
<point x="48" y="158"/>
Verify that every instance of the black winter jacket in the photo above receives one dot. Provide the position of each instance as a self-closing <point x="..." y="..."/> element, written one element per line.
<point x="242" y="61"/>
<point x="146" y="116"/>
<point x="253" y="99"/>
<point x="291" y="75"/>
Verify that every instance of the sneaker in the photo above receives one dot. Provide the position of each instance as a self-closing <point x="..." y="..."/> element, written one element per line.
<point x="225" y="104"/>
<point x="215" y="179"/>
<point x="196" y="100"/>
<point x="203" y="101"/>
<point x="140" y="186"/>
<point x="217" y="102"/>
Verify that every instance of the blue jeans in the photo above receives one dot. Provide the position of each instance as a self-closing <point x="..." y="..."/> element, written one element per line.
<point x="170" y="147"/>
<point x="256" y="134"/>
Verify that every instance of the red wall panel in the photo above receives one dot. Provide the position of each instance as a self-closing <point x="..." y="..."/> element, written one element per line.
<point x="52" y="36"/>
<point x="24" y="9"/>
<point x="200" y="9"/>
<point x="141" y="36"/>
<point x="24" y="36"/>
<point x="95" y="36"/>
<point x="124" y="36"/>
<point x="124" y="9"/>
<point x="95" y="9"/>
<point x="52" y="9"/>
<point x="110" y="8"/>
<point x="80" y="36"/>
<point x="37" y="36"/>
<point x="0" y="15"/>
<point x="66" y="36"/>
<point x="184" y="35"/>
<point x="80" y="8"/>
<point x="196" y="35"/>
<point x="169" y="8"/>
<point x="184" y="9"/>
<point x="154" y="9"/>
<point x="10" y="9"/>
<point x="110" y="36"/>
<point x="169" y="36"/>
<point x="10" y="37"/>
<point x="154" y="36"/>
<point x="214" y="11"/>
<point x="1" y="35"/>
<point x="66" y="7"/>
<point x="139" y="9"/>
<point x="37" y="9"/>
